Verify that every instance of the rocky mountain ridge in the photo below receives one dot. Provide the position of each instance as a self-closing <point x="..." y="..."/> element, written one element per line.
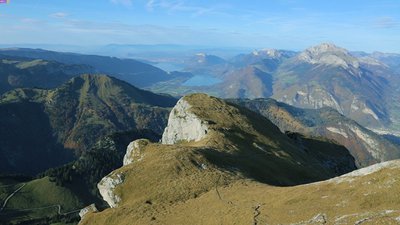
<point x="187" y="124"/>
<point x="183" y="180"/>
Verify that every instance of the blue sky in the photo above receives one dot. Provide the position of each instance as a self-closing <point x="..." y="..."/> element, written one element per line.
<point x="285" y="24"/>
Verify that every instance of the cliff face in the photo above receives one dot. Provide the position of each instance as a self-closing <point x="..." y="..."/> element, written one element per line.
<point x="183" y="125"/>
<point x="107" y="186"/>
<point x="134" y="152"/>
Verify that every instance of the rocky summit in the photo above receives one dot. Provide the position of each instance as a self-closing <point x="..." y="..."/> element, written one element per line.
<point x="329" y="54"/>
<point x="329" y="76"/>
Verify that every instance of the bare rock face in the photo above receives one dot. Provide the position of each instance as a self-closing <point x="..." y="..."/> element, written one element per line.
<point x="367" y="146"/>
<point x="88" y="209"/>
<point x="329" y="54"/>
<point x="183" y="125"/>
<point x="106" y="188"/>
<point x="134" y="151"/>
<point x="312" y="97"/>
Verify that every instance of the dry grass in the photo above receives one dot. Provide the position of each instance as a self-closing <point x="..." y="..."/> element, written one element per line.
<point x="170" y="185"/>
<point x="370" y="197"/>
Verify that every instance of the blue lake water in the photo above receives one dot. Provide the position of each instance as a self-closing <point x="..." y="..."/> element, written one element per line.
<point x="202" y="80"/>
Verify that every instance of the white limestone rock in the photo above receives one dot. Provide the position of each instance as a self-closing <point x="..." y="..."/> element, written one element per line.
<point x="349" y="177"/>
<point x="369" y="142"/>
<point x="329" y="54"/>
<point x="107" y="186"/>
<point x="183" y="125"/>
<point x="314" y="97"/>
<point x="134" y="151"/>
<point x="359" y="105"/>
<point x="88" y="209"/>
<point x="338" y="131"/>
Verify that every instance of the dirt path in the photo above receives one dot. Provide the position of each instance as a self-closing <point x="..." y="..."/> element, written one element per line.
<point x="45" y="207"/>
<point x="10" y="196"/>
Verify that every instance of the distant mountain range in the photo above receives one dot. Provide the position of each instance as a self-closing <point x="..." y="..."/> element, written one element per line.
<point x="21" y="72"/>
<point x="62" y="120"/>
<point x="133" y="71"/>
<point x="359" y="85"/>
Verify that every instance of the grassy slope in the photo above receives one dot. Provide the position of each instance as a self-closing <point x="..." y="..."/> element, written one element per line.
<point x="171" y="176"/>
<point x="38" y="199"/>
<point x="71" y="185"/>
<point x="189" y="195"/>
<point x="345" y="202"/>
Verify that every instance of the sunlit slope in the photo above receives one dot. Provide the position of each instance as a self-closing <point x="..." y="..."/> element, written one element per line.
<point x="239" y="148"/>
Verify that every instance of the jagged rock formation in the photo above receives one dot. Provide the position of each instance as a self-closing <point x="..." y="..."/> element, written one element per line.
<point x="134" y="151"/>
<point x="88" y="209"/>
<point x="107" y="186"/>
<point x="183" y="125"/>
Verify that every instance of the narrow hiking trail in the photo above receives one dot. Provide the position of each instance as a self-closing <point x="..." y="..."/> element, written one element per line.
<point x="10" y="196"/>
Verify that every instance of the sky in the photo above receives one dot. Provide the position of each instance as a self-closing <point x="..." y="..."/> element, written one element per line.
<point x="358" y="25"/>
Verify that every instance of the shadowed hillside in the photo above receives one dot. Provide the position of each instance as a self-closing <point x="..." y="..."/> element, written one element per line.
<point x="73" y="116"/>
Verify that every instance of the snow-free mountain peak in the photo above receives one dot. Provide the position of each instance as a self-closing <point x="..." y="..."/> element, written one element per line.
<point x="329" y="54"/>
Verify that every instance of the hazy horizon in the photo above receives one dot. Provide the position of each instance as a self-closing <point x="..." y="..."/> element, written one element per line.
<point x="293" y="25"/>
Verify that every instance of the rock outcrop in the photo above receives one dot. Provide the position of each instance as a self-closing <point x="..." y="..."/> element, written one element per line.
<point x="184" y="125"/>
<point x="134" y="151"/>
<point x="312" y="96"/>
<point x="349" y="177"/>
<point x="88" y="209"/>
<point x="106" y="188"/>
